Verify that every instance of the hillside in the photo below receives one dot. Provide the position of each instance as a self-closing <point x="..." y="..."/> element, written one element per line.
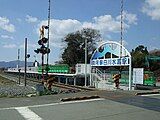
<point x="4" y="64"/>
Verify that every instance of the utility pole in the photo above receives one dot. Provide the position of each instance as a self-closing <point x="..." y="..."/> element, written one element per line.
<point x="121" y="28"/>
<point x="49" y="14"/>
<point x="18" y="67"/>
<point x="130" y="67"/>
<point x="42" y="68"/>
<point x="85" y="62"/>
<point x="121" y="24"/>
<point x="18" y="58"/>
<point x="25" y="67"/>
<point x="121" y="42"/>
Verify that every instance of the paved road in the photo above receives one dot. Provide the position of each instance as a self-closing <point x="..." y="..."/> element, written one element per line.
<point x="116" y="105"/>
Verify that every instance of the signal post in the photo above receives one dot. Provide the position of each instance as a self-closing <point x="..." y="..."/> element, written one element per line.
<point x="43" y="49"/>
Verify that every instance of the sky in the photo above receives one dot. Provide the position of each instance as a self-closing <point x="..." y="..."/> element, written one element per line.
<point x="20" y="19"/>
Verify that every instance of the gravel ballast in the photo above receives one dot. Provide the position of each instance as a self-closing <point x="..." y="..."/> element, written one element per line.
<point x="15" y="91"/>
<point x="9" y="88"/>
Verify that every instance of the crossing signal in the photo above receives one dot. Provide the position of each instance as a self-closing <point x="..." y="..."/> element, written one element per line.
<point x="40" y="42"/>
<point x="43" y="41"/>
<point x="46" y="27"/>
<point x="37" y="50"/>
<point x="28" y="55"/>
<point x="43" y="50"/>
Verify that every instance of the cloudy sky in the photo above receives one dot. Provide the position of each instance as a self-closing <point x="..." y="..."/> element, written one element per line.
<point x="22" y="18"/>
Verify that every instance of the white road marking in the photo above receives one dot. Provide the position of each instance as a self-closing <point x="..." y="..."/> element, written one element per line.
<point x="28" y="114"/>
<point x="52" y="104"/>
<point x="151" y="95"/>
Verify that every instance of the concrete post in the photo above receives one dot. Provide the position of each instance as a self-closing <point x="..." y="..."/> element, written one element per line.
<point x="74" y="80"/>
<point x="85" y="83"/>
<point x="59" y="80"/>
<point x="90" y="76"/>
<point x="66" y="81"/>
<point x="130" y="74"/>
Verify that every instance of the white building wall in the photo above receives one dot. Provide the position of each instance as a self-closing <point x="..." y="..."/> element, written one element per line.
<point x="80" y="69"/>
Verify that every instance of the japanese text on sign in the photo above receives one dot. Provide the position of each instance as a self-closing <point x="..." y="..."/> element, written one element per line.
<point x="110" y="62"/>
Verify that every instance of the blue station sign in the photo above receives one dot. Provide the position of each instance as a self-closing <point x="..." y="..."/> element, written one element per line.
<point x="110" y="54"/>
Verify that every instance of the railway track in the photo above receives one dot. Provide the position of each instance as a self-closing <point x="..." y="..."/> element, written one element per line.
<point x="33" y="82"/>
<point x="15" y="78"/>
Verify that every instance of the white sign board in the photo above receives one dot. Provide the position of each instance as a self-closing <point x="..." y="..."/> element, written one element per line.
<point x="110" y="62"/>
<point x="137" y="75"/>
